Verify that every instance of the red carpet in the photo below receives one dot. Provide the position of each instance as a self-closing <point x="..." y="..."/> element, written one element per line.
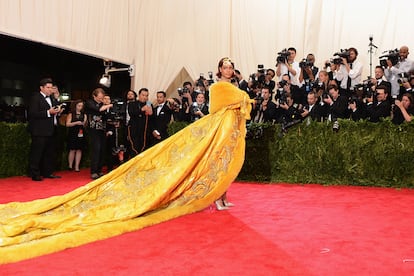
<point x="278" y="229"/>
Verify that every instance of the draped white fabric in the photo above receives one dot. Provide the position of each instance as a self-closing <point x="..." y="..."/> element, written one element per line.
<point x="162" y="36"/>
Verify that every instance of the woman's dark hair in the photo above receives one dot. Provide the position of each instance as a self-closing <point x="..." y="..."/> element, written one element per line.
<point x="221" y="62"/>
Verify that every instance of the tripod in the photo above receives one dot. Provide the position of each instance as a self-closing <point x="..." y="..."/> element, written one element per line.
<point x="370" y="51"/>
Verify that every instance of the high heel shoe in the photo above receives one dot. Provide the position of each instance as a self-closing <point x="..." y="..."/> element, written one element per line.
<point x="228" y="204"/>
<point x="220" y="206"/>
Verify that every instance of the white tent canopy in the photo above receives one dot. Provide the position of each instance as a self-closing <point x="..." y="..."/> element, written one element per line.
<point x="161" y="37"/>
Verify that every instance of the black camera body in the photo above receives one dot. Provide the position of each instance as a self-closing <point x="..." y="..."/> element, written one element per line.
<point x="392" y="55"/>
<point x="258" y="100"/>
<point x="403" y="77"/>
<point x="181" y="91"/>
<point x="117" y="111"/>
<point x="305" y="63"/>
<point x="364" y="89"/>
<point x="343" y="53"/>
<point x="282" y="56"/>
<point x="281" y="95"/>
<point x="260" y="69"/>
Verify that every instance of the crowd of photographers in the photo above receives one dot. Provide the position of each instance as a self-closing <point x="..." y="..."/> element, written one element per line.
<point x="304" y="92"/>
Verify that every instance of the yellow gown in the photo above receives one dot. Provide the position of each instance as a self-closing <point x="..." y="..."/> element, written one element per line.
<point x="181" y="175"/>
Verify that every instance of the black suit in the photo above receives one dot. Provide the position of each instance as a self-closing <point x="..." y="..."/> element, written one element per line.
<point x="160" y="121"/>
<point x="316" y="113"/>
<point x="339" y="108"/>
<point x="139" y="131"/>
<point x="376" y="111"/>
<point x="41" y="127"/>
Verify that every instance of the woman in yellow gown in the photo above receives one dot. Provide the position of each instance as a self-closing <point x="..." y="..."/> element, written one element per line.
<point x="181" y="175"/>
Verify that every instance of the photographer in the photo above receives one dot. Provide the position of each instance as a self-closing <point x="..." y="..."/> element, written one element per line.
<point x="403" y="110"/>
<point x="337" y="104"/>
<point x="394" y="70"/>
<point x="95" y="110"/>
<point x="199" y="108"/>
<point x="268" y="80"/>
<point x="242" y="82"/>
<point x="264" y="109"/>
<point x="381" y="108"/>
<point x="183" y="105"/>
<point x="308" y="73"/>
<point x="286" y="64"/>
<point x="312" y="110"/>
<point x="349" y="72"/>
<point x="297" y="94"/>
<point x="379" y="79"/>
<point x="289" y="112"/>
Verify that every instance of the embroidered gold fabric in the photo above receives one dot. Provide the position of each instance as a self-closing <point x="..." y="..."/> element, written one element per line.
<point x="178" y="176"/>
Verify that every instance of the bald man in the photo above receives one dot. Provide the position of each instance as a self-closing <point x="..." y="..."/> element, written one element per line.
<point x="404" y="65"/>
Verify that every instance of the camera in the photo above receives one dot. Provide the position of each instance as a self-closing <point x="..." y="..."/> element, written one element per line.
<point x="116" y="111"/>
<point x="281" y="95"/>
<point x="343" y="53"/>
<point x="305" y="63"/>
<point x="392" y="55"/>
<point x="258" y="100"/>
<point x="210" y="78"/>
<point x="181" y="91"/>
<point x="364" y="89"/>
<point x="403" y="77"/>
<point x="282" y="83"/>
<point x="62" y="106"/>
<point x="282" y="56"/>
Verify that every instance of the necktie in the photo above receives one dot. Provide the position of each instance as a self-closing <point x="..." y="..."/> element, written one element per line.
<point x="348" y="84"/>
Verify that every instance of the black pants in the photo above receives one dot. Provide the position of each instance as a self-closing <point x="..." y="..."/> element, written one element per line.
<point x="97" y="144"/>
<point x="42" y="156"/>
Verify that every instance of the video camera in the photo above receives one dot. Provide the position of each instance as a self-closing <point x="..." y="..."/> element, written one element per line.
<point x="116" y="111"/>
<point x="282" y="56"/>
<point x="343" y="53"/>
<point x="392" y="55"/>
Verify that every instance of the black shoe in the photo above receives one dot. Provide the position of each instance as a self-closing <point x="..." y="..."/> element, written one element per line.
<point x="36" y="178"/>
<point x="52" y="176"/>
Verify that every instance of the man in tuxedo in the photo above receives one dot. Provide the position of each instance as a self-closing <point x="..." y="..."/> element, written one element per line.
<point x="380" y="108"/>
<point x="161" y="117"/>
<point x="139" y="129"/>
<point x="337" y="104"/>
<point x="42" y="126"/>
<point x="312" y="110"/>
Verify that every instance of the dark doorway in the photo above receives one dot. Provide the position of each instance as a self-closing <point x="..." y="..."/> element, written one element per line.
<point x="23" y="63"/>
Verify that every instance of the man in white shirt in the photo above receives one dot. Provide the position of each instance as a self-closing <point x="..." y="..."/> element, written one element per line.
<point x="290" y="67"/>
<point x="404" y="65"/>
<point x="349" y="72"/>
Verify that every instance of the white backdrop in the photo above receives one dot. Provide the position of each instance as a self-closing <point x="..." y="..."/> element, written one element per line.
<point x="162" y="36"/>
